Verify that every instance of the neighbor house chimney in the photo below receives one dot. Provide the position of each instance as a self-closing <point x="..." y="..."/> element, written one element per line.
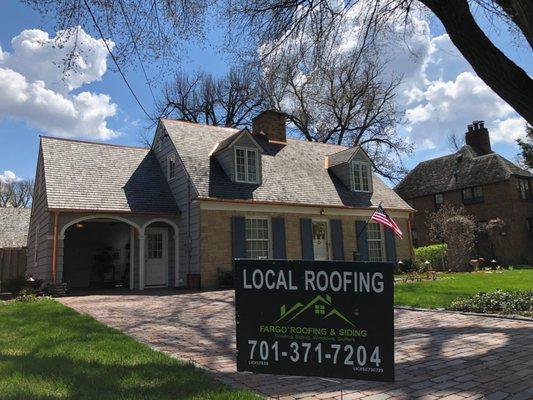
<point x="478" y="137"/>
<point x="272" y="124"/>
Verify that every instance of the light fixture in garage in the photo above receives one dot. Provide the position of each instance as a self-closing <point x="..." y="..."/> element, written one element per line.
<point x="79" y="225"/>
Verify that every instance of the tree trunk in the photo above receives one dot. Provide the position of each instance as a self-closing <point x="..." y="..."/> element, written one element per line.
<point x="501" y="74"/>
<point x="521" y="13"/>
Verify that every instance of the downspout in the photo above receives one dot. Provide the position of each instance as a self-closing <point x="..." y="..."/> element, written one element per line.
<point x="189" y="239"/>
<point x="409" y="226"/>
<point x="54" y="247"/>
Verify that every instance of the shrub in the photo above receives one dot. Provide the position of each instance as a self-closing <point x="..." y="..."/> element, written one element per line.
<point x="225" y="279"/>
<point x="17" y="285"/>
<point x="499" y="301"/>
<point x="435" y="254"/>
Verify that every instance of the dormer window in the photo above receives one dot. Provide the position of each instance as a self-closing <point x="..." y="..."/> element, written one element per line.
<point x="246" y="165"/>
<point x="361" y="177"/>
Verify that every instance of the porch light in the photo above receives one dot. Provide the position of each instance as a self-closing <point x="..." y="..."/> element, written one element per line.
<point x="79" y="225"/>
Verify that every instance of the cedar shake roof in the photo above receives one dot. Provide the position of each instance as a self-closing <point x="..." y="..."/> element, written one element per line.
<point x="459" y="170"/>
<point x="292" y="173"/>
<point x="14" y="225"/>
<point x="92" y="176"/>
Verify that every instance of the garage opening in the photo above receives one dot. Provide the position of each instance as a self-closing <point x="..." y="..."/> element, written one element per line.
<point x="97" y="254"/>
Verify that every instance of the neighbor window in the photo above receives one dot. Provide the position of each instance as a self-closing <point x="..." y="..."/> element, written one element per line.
<point x="361" y="176"/>
<point x="171" y="164"/>
<point x="473" y="195"/>
<point x="439" y="200"/>
<point x="524" y="188"/>
<point x="246" y="165"/>
<point x="376" y="251"/>
<point x="257" y="238"/>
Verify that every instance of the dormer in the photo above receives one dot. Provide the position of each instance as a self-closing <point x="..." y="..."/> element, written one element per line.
<point x="353" y="168"/>
<point x="240" y="157"/>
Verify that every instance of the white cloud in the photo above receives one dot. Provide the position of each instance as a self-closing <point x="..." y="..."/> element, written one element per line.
<point x="8" y="177"/>
<point x="35" y="90"/>
<point x="508" y="130"/>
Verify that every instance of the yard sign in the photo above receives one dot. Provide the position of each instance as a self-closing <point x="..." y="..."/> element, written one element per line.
<point x="315" y="318"/>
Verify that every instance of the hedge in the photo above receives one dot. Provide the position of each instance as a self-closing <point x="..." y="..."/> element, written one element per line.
<point x="435" y="254"/>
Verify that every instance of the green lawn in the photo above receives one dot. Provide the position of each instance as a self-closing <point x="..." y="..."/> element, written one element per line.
<point x="448" y="287"/>
<point x="48" y="351"/>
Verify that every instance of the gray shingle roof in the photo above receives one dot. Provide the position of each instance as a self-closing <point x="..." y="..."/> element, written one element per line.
<point x="93" y="176"/>
<point x="457" y="171"/>
<point x="292" y="173"/>
<point x="14" y="225"/>
<point x="342" y="156"/>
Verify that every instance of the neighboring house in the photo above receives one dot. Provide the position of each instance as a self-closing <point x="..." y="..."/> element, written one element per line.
<point x="486" y="184"/>
<point x="14" y="223"/>
<point x="178" y="213"/>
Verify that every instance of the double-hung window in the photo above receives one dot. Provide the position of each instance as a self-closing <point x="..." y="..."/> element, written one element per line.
<point x="246" y="165"/>
<point x="524" y="188"/>
<point x="473" y="195"/>
<point x="361" y="175"/>
<point x="257" y="238"/>
<point x="171" y="167"/>
<point x="438" y="198"/>
<point x="376" y="251"/>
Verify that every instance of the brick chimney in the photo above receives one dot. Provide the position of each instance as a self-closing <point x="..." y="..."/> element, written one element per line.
<point x="478" y="137"/>
<point x="272" y="124"/>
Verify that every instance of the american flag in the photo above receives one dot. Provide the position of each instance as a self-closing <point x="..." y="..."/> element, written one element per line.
<point x="381" y="217"/>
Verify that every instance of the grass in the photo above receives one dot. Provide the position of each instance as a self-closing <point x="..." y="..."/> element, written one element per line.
<point x="48" y="351"/>
<point x="448" y="287"/>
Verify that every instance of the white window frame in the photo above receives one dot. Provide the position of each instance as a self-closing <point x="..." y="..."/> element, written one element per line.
<point x="381" y="240"/>
<point x="369" y="176"/>
<point x="171" y="158"/>
<point x="246" y="150"/>
<point x="269" y="227"/>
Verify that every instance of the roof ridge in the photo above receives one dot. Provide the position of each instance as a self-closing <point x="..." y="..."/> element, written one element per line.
<point x="90" y="142"/>
<point x="179" y="121"/>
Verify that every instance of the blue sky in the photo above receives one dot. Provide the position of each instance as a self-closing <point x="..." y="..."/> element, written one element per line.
<point x="442" y="94"/>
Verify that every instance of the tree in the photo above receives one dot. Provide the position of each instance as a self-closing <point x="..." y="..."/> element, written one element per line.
<point x="455" y="142"/>
<point x="153" y="29"/>
<point x="451" y="225"/>
<point x="526" y="154"/>
<point x="231" y="100"/>
<point x="274" y="19"/>
<point x="495" y="229"/>
<point x="16" y="193"/>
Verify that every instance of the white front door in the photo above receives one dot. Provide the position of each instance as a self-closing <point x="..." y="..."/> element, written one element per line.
<point x="156" y="261"/>
<point x="320" y="240"/>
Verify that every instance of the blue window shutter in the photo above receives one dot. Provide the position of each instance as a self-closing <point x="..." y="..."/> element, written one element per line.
<point x="238" y="237"/>
<point x="306" y="229"/>
<point x="390" y="245"/>
<point x="337" y="240"/>
<point x="362" y="240"/>
<point x="279" y="250"/>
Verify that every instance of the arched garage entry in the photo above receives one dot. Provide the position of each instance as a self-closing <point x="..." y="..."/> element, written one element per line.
<point x="98" y="252"/>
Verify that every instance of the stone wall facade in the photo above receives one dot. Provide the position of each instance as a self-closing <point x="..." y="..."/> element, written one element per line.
<point x="215" y="239"/>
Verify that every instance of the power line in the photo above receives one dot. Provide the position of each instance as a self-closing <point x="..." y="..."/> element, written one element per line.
<point x="121" y="3"/>
<point x="115" y="60"/>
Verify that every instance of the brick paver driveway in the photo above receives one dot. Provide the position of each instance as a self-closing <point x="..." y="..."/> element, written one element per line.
<point x="438" y="355"/>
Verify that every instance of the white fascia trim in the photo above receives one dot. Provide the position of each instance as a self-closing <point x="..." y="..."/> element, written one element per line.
<point x="291" y="209"/>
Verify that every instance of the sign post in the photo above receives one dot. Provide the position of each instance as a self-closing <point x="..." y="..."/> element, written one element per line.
<point x="315" y="318"/>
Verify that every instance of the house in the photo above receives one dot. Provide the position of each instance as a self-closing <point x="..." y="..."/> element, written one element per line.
<point x="486" y="184"/>
<point x="14" y="223"/>
<point x="178" y="213"/>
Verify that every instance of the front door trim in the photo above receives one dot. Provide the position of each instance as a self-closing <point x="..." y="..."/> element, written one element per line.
<point x="164" y="232"/>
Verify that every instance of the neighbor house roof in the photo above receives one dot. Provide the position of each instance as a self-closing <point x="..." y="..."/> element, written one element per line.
<point x="292" y="173"/>
<point x="459" y="170"/>
<point x="14" y="225"/>
<point x="92" y="176"/>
